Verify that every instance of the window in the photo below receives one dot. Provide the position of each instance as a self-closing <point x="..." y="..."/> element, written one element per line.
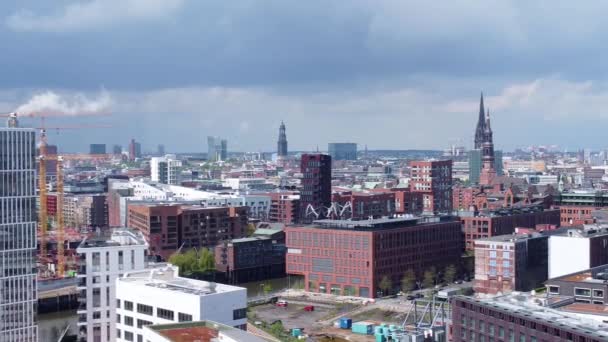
<point x="582" y="292"/>
<point x="554" y="289"/>
<point x="96" y="315"/>
<point x="501" y="332"/>
<point x="128" y="305"/>
<point x="118" y="303"/>
<point x="141" y="323"/>
<point x="96" y="297"/>
<point x="239" y="313"/>
<point x="140" y="338"/>
<point x="118" y="333"/>
<point x="120" y="260"/>
<point x="145" y="309"/>
<point x="117" y="318"/>
<point x="164" y="313"/>
<point x="182" y="317"/>
<point x="598" y="293"/>
<point x="128" y="336"/>
<point x="129" y="321"/>
<point x="522" y="338"/>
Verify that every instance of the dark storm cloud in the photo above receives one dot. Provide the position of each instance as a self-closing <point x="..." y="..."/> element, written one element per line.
<point x="393" y="64"/>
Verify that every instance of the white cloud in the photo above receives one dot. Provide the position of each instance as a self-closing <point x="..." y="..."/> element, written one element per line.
<point x="51" y="103"/>
<point x="92" y="15"/>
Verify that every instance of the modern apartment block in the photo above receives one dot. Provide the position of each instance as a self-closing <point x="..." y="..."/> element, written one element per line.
<point x="101" y="260"/>
<point x="346" y="257"/>
<point x="509" y="263"/>
<point x="250" y="259"/>
<point x="315" y="196"/>
<point x="18" y="289"/>
<point x="586" y="247"/>
<point x="284" y="207"/>
<point x="433" y="179"/>
<point x="160" y="296"/>
<point x="169" y="226"/>
<point x="489" y="223"/>
<point x="520" y="318"/>
<point x="85" y="210"/>
<point x="166" y="170"/>
<point x="588" y="286"/>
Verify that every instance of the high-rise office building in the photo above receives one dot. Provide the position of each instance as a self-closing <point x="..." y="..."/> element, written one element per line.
<point x="315" y="196"/>
<point x="342" y="151"/>
<point x="18" y="294"/>
<point x="282" y="143"/>
<point x="217" y="148"/>
<point x="97" y="149"/>
<point x="134" y="150"/>
<point x="160" y="150"/>
<point x="165" y="169"/>
<point x="117" y="149"/>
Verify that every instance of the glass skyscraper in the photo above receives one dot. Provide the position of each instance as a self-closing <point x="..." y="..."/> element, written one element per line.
<point x="18" y="294"/>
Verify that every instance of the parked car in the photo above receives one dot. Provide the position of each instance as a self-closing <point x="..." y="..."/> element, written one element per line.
<point x="411" y="297"/>
<point x="419" y="295"/>
<point x="309" y="308"/>
<point x="282" y="304"/>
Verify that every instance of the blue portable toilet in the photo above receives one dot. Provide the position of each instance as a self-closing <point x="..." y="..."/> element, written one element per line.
<point x="346" y="323"/>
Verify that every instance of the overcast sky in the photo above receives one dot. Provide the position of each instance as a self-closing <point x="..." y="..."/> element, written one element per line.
<point x="390" y="74"/>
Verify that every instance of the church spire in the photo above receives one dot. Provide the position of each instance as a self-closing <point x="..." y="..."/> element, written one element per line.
<point x="481" y="124"/>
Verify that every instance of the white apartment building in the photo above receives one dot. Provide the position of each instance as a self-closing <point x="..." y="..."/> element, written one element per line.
<point x="102" y="259"/>
<point x="160" y="296"/>
<point x="18" y="290"/>
<point x="166" y="170"/>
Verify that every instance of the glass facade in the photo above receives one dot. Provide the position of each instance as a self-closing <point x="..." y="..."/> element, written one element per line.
<point x="18" y="295"/>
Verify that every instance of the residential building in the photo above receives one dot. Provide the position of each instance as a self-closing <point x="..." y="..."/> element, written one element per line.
<point x="489" y="223"/>
<point x="315" y="196"/>
<point x="166" y="170"/>
<point x="217" y="149"/>
<point x="407" y="201"/>
<point x="585" y="286"/>
<point x="576" y="206"/>
<point x="433" y="179"/>
<point x="134" y="150"/>
<point x="101" y="259"/>
<point x="201" y="331"/>
<point x="571" y="215"/>
<point x="518" y="317"/>
<point x="97" y="149"/>
<point x="160" y="296"/>
<point x="18" y="287"/>
<point x="282" y="143"/>
<point x="346" y="257"/>
<point x="586" y="247"/>
<point x="250" y="259"/>
<point x="342" y="151"/>
<point x="509" y="263"/>
<point x="284" y="207"/>
<point x="90" y="210"/>
<point x="169" y="226"/>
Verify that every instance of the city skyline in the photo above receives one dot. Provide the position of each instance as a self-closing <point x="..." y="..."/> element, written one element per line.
<point x="370" y="71"/>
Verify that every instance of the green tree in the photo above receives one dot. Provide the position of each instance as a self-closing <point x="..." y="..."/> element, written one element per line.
<point x="267" y="288"/>
<point x="449" y="275"/>
<point x="385" y="285"/>
<point x="429" y="279"/>
<point x="408" y="281"/>
<point x="187" y="262"/>
<point x="250" y="229"/>
<point x="206" y="261"/>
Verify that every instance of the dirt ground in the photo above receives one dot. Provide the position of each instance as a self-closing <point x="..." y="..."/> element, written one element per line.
<point x="293" y="316"/>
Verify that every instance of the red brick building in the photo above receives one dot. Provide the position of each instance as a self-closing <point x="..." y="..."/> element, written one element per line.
<point x="166" y="227"/>
<point x="407" y="201"/>
<point x="485" y="224"/>
<point x="351" y="257"/>
<point x="284" y="207"/>
<point x="433" y="179"/>
<point x="576" y="215"/>
<point x="315" y="196"/>
<point x="362" y="204"/>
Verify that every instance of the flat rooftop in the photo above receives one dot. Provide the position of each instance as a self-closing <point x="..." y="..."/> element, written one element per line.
<point x="380" y="223"/>
<point x="529" y="306"/>
<point x="203" y="331"/>
<point x="116" y="237"/>
<point x="165" y="277"/>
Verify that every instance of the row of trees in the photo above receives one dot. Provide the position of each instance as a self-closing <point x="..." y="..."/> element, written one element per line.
<point x="193" y="261"/>
<point x="409" y="282"/>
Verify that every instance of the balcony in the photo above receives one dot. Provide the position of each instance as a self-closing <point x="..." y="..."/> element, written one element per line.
<point x="82" y="318"/>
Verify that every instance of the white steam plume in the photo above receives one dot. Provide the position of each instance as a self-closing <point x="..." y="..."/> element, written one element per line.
<point x="50" y="103"/>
